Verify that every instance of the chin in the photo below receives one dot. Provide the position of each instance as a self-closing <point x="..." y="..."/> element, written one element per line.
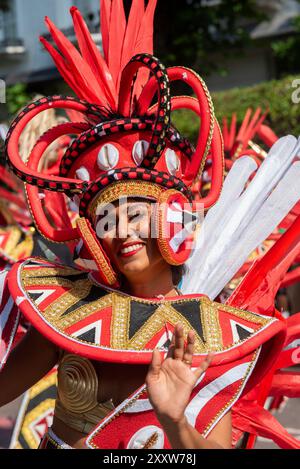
<point x="134" y="267"/>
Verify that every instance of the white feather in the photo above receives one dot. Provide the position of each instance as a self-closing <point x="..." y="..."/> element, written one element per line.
<point x="241" y="220"/>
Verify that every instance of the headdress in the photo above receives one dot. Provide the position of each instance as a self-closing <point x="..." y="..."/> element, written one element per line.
<point x="124" y="140"/>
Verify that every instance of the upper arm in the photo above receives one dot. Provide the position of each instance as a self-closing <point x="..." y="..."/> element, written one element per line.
<point x="222" y="432"/>
<point x="29" y="361"/>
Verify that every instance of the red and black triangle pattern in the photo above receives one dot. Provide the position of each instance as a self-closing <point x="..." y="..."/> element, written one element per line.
<point x="71" y="309"/>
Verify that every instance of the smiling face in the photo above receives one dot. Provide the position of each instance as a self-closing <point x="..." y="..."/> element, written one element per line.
<point x="125" y="233"/>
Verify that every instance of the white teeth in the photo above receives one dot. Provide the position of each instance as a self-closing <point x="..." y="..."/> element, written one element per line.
<point x="134" y="247"/>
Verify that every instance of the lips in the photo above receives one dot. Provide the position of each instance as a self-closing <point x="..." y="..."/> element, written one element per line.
<point x="129" y="249"/>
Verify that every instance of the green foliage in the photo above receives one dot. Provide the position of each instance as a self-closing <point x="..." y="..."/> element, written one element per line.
<point x="275" y="95"/>
<point x="190" y="32"/>
<point x="4" y="5"/>
<point x="16" y="98"/>
<point x="286" y="51"/>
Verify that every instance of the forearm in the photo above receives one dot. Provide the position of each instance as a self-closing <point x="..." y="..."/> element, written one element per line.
<point x="182" y="435"/>
<point x="28" y="362"/>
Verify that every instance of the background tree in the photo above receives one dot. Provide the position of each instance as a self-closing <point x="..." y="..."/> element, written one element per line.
<point x="286" y="51"/>
<point x="190" y="32"/>
<point x="4" y="5"/>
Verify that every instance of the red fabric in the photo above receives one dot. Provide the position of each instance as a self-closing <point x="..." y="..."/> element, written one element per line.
<point x="9" y="321"/>
<point x="249" y="417"/>
<point x="267" y="135"/>
<point x="210" y="400"/>
<point x="273" y="333"/>
<point x="286" y="383"/>
<point x="257" y="290"/>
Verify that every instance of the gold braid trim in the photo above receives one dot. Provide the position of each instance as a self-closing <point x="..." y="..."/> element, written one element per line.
<point x="95" y="249"/>
<point x="124" y="188"/>
<point x="212" y="121"/>
<point x="162" y="239"/>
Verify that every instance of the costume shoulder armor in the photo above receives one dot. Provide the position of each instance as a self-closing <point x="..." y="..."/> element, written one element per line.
<point x="71" y="309"/>
<point x="9" y="319"/>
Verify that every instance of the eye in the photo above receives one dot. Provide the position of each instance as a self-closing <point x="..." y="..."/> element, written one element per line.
<point x="108" y="157"/>
<point x="139" y="151"/>
<point x="106" y="225"/>
<point x="172" y="161"/>
<point x="135" y="216"/>
<point x="83" y="174"/>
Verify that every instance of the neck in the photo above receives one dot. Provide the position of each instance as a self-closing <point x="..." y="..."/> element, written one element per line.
<point x="159" y="284"/>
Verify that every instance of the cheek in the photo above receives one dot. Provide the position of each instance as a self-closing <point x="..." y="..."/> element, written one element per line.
<point x="152" y="249"/>
<point x="107" y="243"/>
<point x="145" y="228"/>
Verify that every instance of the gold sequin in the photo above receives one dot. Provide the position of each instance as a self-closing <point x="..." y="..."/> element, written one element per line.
<point x="98" y="255"/>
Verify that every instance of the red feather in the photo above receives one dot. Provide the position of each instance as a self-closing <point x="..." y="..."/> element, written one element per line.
<point x="254" y="125"/>
<point x="76" y="65"/>
<point x="105" y="12"/>
<point x="133" y="27"/>
<point x="251" y="125"/>
<point x="144" y="43"/>
<point x="117" y="29"/>
<point x="232" y="133"/>
<point x="63" y="68"/>
<point x="93" y="58"/>
<point x="267" y="135"/>
<point x="240" y="136"/>
<point x="88" y="74"/>
<point x="225" y="134"/>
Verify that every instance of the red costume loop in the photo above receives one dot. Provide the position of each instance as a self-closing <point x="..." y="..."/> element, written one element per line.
<point x="217" y="152"/>
<point x="16" y="129"/>
<point x="162" y="119"/>
<point x="205" y="108"/>
<point x="35" y="204"/>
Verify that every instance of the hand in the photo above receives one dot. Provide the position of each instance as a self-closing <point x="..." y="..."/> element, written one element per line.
<point x="170" y="382"/>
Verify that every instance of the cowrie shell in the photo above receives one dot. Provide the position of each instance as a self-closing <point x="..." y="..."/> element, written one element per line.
<point x="108" y="157"/>
<point x="172" y="161"/>
<point x="139" y="151"/>
<point x="83" y="174"/>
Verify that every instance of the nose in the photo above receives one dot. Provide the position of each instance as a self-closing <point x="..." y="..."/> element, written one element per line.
<point x="125" y="228"/>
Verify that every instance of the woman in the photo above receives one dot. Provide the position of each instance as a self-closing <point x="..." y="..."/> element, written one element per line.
<point x="146" y="275"/>
<point x="107" y="323"/>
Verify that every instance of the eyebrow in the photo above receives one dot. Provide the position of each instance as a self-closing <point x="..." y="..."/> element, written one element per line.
<point x="132" y="206"/>
<point x="137" y="204"/>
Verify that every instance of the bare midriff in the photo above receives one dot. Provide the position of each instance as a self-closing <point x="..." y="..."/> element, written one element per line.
<point x="115" y="382"/>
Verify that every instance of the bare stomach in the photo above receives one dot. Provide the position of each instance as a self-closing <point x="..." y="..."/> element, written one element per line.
<point x="68" y="435"/>
<point x="116" y="382"/>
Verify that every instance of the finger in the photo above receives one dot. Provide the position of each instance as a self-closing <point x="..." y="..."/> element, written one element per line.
<point x="170" y="353"/>
<point x="155" y="365"/>
<point x="189" y="350"/>
<point x="179" y="342"/>
<point x="204" y="365"/>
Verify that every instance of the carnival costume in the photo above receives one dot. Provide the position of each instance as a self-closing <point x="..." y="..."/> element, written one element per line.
<point x="125" y="144"/>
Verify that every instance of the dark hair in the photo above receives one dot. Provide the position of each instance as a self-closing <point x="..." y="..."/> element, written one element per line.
<point x="177" y="273"/>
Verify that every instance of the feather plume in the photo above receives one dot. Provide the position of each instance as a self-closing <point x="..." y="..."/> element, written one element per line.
<point x="232" y="133"/>
<point x="93" y="57"/>
<point x="117" y="30"/>
<point x="105" y="12"/>
<point x="92" y="77"/>
<point x="73" y="67"/>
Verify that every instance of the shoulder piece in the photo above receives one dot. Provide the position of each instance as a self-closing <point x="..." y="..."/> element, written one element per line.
<point x="15" y="243"/>
<point x="9" y="319"/>
<point x="72" y="310"/>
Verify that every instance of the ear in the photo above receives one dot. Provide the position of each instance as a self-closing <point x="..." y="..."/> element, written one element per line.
<point x="91" y="255"/>
<point x="175" y="227"/>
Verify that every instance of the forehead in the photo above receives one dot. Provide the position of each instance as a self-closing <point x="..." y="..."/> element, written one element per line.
<point x="124" y="206"/>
